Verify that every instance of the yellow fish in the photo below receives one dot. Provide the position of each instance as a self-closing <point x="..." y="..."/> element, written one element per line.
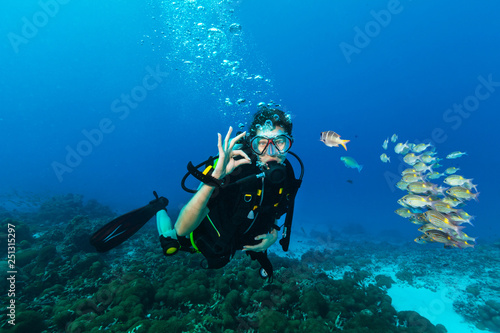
<point x="456" y="180"/>
<point x="418" y="218"/>
<point x="455" y="154"/>
<point x="411" y="159"/>
<point x="384" y="145"/>
<point x="451" y="201"/>
<point x="421" y="187"/>
<point x="451" y="170"/>
<point x="410" y="170"/>
<point x="443" y="207"/>
<point x="423" y="239"/>
<point x="421" y="147"/>
<point x="430" y="226"/>
<point x="465" y="237"/>
<point x="422" y="167"/>
<point x="415" y="201"/>
<point x="402" y="185"/>
<point x="332" y="139"/>
<point x="428" y="159"/>
<point x="465" y="215"/>
<point x="439" y="236"/>
<point x="463" y="244"/>
<point x="462" y="193"/>
<point x="400" y="147"/>
<point x="404" y="212"/>
<point x="412" y="177"/>
<point x="440" y="220"/>
<point x="457" y="218"/>
<point x="400" y="201"/>
<point x="435" y="175"/>
<point x="446" y="239"/>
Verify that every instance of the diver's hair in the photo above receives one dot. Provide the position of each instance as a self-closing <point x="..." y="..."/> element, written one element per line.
<point x="278" y="118"/>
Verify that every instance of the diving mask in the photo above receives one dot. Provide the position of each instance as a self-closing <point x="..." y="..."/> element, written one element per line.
<point x="272" y="146"/>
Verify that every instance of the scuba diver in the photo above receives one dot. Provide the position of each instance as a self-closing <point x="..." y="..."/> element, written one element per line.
<point x="243" y="193"/>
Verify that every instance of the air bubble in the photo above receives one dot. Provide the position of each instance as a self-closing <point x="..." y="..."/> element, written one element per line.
<point x="234" y="28"/>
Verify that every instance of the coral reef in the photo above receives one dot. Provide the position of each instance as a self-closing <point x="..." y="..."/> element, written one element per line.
<point x="143" y="291"/>
<point x="63" y="208"/>
<point x="66" y="287"/>
<point x="431" y="268"/>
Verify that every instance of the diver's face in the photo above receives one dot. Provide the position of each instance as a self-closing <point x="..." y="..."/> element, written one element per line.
<point x="265" y="158"/>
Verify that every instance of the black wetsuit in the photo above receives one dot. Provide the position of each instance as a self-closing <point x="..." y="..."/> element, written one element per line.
<point x="239" y="213"/>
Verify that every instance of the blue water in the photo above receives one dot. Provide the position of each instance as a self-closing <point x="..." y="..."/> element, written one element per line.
<point x="62" y="79"/>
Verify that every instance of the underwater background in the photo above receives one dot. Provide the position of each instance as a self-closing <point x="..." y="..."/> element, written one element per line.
<point x="110" y="101"/>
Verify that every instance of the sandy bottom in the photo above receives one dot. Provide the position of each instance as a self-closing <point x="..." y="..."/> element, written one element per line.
<point x="435" y="306"/>
<point x="435" y="278"/>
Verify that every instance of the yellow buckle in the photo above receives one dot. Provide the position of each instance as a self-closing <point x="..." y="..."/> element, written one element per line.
<point x="207" y="170"/>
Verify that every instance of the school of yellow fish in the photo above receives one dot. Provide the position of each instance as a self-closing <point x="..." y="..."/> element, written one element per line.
<point x="438" y="210"/>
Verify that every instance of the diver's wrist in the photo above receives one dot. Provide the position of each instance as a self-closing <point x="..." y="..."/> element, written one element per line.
<point x="217" y="175"/>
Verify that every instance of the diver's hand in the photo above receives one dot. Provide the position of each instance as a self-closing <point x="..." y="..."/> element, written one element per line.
<point x="227" y="163"/>
<point x="267" y="240"/>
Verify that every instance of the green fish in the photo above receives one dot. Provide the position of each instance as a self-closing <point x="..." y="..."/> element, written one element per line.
<point x="351" y="163"/>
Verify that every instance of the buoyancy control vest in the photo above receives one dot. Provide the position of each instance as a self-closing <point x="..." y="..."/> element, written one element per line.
<point x="241" y="212"/>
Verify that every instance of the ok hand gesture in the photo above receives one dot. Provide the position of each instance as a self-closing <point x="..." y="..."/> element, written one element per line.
<point x="227" y="163"/>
